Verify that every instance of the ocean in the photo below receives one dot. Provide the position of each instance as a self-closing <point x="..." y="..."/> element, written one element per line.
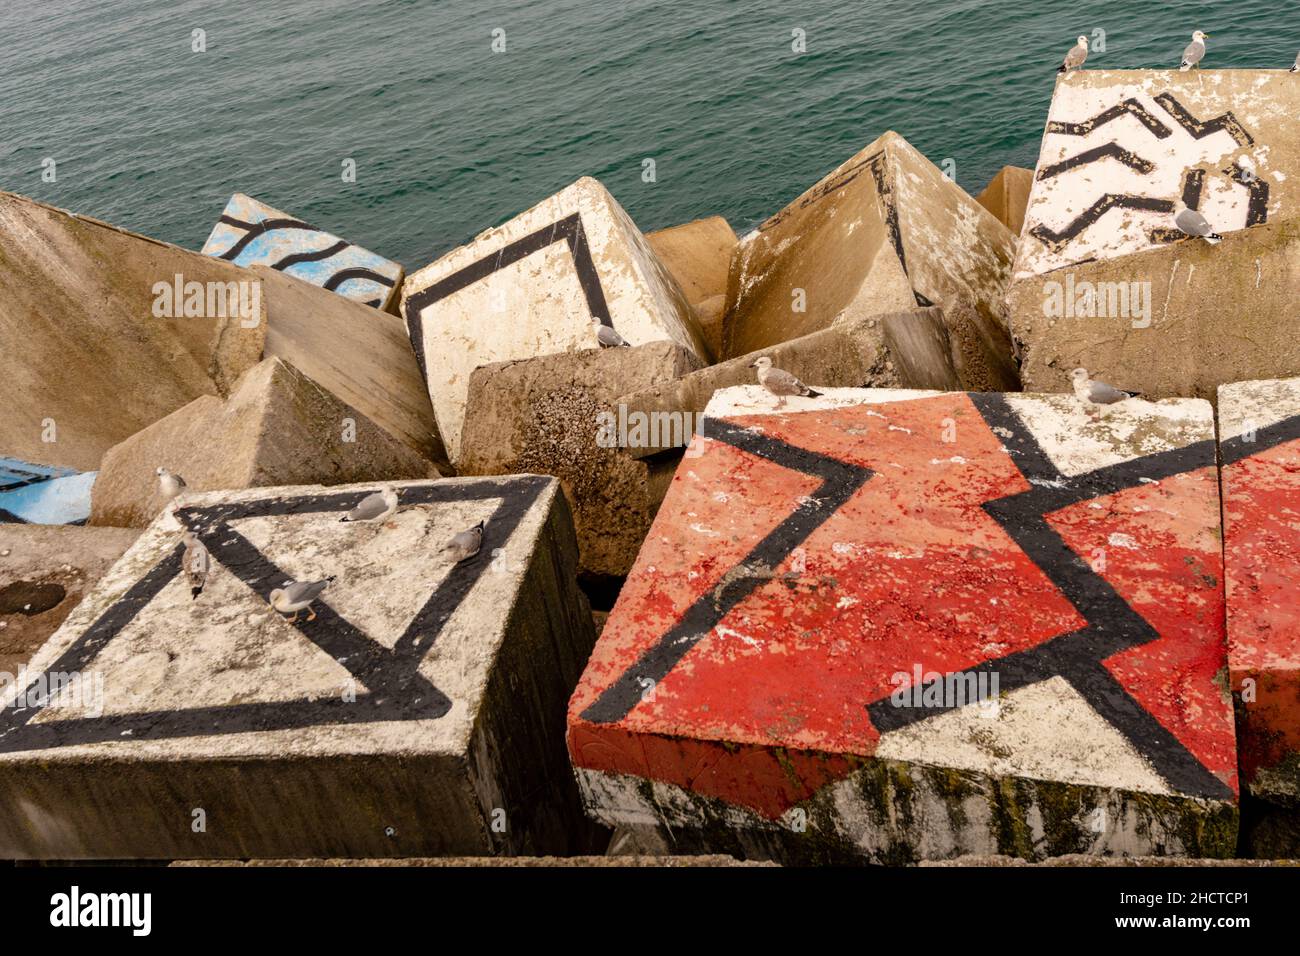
<point x="450" y="136"/>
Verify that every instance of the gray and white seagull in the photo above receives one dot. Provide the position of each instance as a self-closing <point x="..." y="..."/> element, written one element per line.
<point x="1097" y="393"/>
<point x="196" y="562"/>
<point x="1295" y="67"/>
<point x="1075" y="58"/>
<point x="297" y="596"/>
<point x="606" y="337"/>
<point x="374" y="508"/>
<point x="171" y="485"/>
<point x="1194" y="52"/>
<point x="465" y="544"/>
<point x="1190" y="222"/>
<point x="780" y="382"/>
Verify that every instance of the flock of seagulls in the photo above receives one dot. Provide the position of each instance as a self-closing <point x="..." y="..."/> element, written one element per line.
<point x="377" y="508"/>
<point x="1192" y="55"/>
<point x="297" y="596"/>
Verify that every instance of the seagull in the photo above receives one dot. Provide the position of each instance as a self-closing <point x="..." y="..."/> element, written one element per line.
<point x="196" y="562"/>
<point x="1195" y="50"/>
<point x="465" y="544"/>
<point x="298" y="595"/>
<point x="607" y="337"/>
<point x="1295" y="67"/>
<point x="1192" y="223"/>
<point x="172" y="485"/>
<point x="1074" y="59"/>
<point x="1247" y="167"/>
<point x="1097" y="393"/>
<point x="374" y="508"/>
<point x="780" y="383"/>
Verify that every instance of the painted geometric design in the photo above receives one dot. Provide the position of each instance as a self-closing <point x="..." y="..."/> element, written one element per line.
<point x="252" y="233"/>
<point x="1260" y="450"/>
<point x="42" y="494"/>
<point x="1122" y="147"/>
<point x="379" y="650"/>
<point x="804" y="561"/>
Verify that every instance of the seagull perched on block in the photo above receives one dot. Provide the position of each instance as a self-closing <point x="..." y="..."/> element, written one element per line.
<point x="196" y="563"/>
<point x="1195" y="50"/>
<point x="296" y="596"/>
<point x="465" y="544"/>
<point x="374" y="508"/>
<point x="1190" y="222"/>
<point x="606" y="337"/>
<point x="1097" y="394"/>
<point x="1074" y="59"/>
<point x="779" y="382"/>
<point x="171" y="485"/>
<point x="1295" y="67"/>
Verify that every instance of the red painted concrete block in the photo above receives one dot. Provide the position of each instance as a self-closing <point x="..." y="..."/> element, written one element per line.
<point x="899" y="625"/>
<point x="1260" y="444"/>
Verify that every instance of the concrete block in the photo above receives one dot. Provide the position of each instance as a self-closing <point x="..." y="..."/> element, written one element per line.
<point x="277" y="428"/>
<point x="894" y="625"/>
<point x="1102" y="277"/>
<point x="93" y="342"/>
<point x="532" y="287"/>
<point x="362" y="357"/>
<point x="884" y="232"/>
<point x="40" y="494"/>
<point x="420" y="713"/>
<point x="1259" y="439"/>
<point x="558" y="415"/>
<point x="45" y="571"/>
<point x="1007" y="196"/>
<point x="252" y="233"/>
<point x="908" y="349"/>
<point x="698" y="255"/>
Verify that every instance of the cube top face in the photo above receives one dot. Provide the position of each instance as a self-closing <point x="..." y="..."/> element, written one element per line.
<point x="818" y="579"/>
<point x="395" y="661"/>
<point x="252" y="233"/>
<point x="533" y="286"/>
<point x="1122" y="147"/>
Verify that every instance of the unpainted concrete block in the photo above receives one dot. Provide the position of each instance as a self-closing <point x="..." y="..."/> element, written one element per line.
<point x="277" y="428"/>
<point x="559" y="415"/>
<point x="45" y="571"/>
<point x="1007" y="196"/>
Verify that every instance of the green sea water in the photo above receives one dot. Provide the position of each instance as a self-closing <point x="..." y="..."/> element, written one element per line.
<point x="450" y="137"/>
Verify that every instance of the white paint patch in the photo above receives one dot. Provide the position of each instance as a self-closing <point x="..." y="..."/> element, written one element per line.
<point x="1250" y="406"/>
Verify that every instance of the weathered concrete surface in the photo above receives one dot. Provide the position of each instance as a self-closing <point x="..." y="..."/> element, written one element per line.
<point x="698" y="255"/>
<point x="531" y="287"/>
<point x="1120" y="149"/>
<point x="85" y="359"/>
<point x="884" y="232"/>
<point x="1212" y="314"/>
<point x="558" y="415"/>
<point x="1145" y="138"/>
<point x="423" y="705"/>
<point x="1259" y="439"/>
<point x="1007" y="196"/>
<point x="363" y="357"/>
<point x="250" y="233"/>
<point x="277" y="428"/>
<point x="908" y="349"/>
<point x="752" y="690"/>
<point x="44" y="574"/>
<point x="41" y="494"/>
